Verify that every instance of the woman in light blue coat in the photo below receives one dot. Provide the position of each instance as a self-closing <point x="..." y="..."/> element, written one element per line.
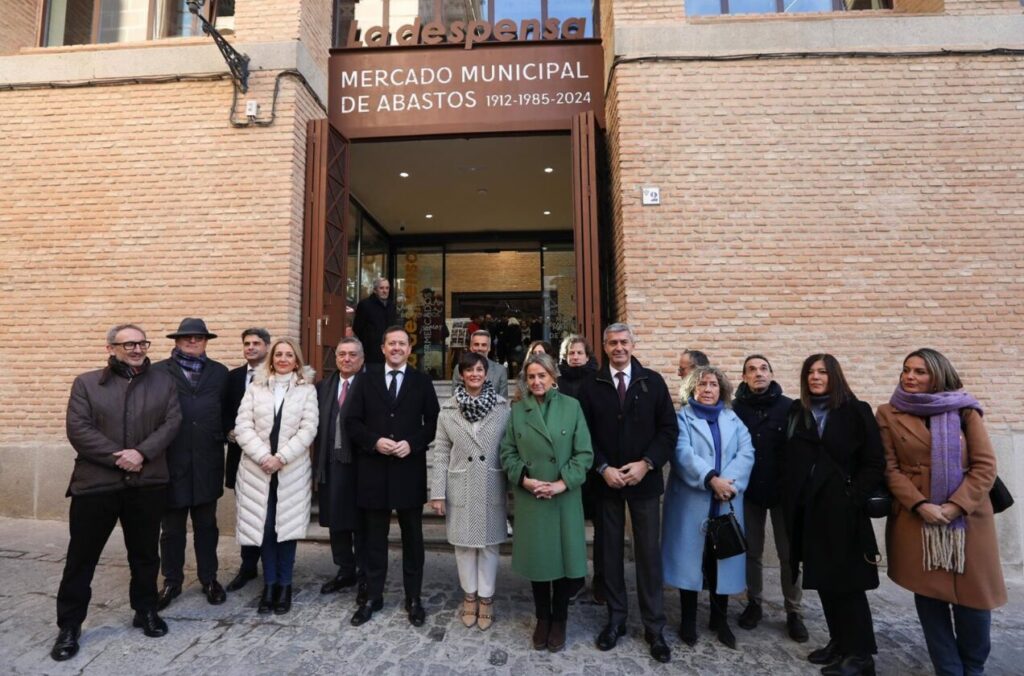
<point x="711" y="466"/>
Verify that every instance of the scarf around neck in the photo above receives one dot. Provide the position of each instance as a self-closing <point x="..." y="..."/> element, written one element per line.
<point x="476" y="408"/>
<point x="710" y="415"/>
<point x="944" y="547"/>
<point x="192" y="366"/>
<point x="118" y="367"/>
<point x="758" y="399"/>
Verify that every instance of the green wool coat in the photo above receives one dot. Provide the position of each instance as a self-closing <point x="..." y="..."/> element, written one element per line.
<point x="548" y="541"/>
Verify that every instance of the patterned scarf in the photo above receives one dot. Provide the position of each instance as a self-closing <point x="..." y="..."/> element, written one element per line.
<point x="944" y="546"/>
<point x="192" y="366"/>
<point x="476" y="408"/>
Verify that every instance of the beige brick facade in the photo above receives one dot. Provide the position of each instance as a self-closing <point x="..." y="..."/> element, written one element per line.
<point x="19" y="26"/>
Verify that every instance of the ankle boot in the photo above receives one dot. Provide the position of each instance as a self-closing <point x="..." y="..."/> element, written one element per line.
<point x="283" y="603"/>
<point x="720" y="620"/>
<point x="267" y="598"/>
<point x="688" y="624"/>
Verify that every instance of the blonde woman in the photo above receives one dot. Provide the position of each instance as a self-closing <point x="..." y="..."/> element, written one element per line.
<point x="276" y="423"/>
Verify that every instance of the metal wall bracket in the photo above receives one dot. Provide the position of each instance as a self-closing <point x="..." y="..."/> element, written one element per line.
<point x="238" y="63"/>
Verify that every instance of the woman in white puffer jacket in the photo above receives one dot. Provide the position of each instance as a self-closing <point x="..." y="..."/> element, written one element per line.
<point x="277" y="421"/>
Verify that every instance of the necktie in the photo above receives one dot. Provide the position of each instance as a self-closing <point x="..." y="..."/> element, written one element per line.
<point x="249" y="377"/>
<point x="393" y="387"/>
<point x="622" y="387"/>
<point x="344" y="392"/>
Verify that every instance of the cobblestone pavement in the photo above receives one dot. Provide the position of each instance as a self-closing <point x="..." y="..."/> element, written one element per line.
<point x="316" y="638"/>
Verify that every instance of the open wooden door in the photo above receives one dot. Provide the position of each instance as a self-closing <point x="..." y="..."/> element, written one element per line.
<point x="585" y="227"/>
<point x="325" y="244"/>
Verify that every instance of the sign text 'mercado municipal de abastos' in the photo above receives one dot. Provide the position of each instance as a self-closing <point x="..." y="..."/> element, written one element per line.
<point x="535" y="78"/>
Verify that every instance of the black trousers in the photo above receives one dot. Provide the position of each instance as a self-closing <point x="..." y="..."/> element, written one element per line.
<point x="91" y="520"/>
<point x="250" y="559"/>
<point x="348" y="549"/>
<point x="551" y="599"/>
<point x="204" y="536"/>
<point x="848" y="616"/>
<point x="645" y="514"/>
<point x="377" y="526"/>
<point x="719" y="603"/>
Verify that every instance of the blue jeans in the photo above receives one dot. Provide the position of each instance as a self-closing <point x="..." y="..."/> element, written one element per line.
<point x="278" y="557"/>
<point x="963" y="653"/>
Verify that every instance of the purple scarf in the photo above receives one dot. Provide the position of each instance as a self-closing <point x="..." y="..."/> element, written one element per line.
<point x="943" y="412"/>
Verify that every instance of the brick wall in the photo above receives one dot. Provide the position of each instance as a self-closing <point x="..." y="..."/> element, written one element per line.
<point x="18" y="25"/>
<point x="860" y="207"/>
<point x="315" y="29"/>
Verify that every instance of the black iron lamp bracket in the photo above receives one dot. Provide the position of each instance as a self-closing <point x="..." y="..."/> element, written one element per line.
<point x="238" y="63"/>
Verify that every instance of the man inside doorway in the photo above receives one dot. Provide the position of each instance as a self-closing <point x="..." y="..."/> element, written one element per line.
<point x="480" y="342"/>
<point x="375" y="313"/>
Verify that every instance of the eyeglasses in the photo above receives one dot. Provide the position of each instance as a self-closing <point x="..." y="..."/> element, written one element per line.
<point x="130" y="345"/>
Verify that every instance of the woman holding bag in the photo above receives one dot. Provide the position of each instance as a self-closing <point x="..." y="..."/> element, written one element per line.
<point x="941" y="539"/>
<point x="833" y="462"/>
<point x="712" y="464"/>
<point x="276" y="423"/>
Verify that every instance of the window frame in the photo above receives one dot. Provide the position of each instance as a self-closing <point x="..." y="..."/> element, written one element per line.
<point x="209" y="12"/>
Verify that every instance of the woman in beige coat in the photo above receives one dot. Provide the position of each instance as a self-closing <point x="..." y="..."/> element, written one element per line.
<point x="468" y="484"/>
<point x="941" y="537"/>
<point x="276" y="423"/>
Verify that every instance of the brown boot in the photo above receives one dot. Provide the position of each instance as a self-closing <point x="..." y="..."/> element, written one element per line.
<point x="485" y="613"/>
<point x="540" y="634"/>
<point x="556" y="637"/>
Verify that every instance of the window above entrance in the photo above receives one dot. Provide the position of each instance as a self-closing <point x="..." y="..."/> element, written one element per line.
<point x="83" y="22"/>
<point x="723" y="7"/>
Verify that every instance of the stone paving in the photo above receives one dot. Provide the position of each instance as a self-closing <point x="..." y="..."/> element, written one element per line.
<point x="316" y="638"/>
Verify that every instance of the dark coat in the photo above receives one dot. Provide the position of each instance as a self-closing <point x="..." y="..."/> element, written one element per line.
<point x="572" y="378"/>
<point x="765" y="416"/>
<point x="108" y="413"/>
<point x="233" y="394"/>
<point x="196" y="457"/>
<point x="645" y="427"/>
<point x="372" y="318"/>
<point x="335" y="473"/>
<point x="827" y="480"/>
<point x="387" y="482"/>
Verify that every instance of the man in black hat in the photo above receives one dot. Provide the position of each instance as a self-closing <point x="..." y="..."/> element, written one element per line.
<point x="120" y="421"/>
<point x="196" y="462"/>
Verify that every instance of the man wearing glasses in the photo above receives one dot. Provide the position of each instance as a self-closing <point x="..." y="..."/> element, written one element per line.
<point x="120" y="420"/>
<point x="196" y="462"/>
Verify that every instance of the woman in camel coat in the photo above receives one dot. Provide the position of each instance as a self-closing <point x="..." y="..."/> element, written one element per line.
<point x="276" y="423"/>
<point x="942" y="547"/>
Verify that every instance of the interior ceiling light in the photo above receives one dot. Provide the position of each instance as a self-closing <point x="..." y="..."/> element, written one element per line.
<point x="549" y="170"/>
<point x="547" y="213"/>
<point x="482" y="192"/>
<point x="429" y="216"/>
<point x="404" y="174"/>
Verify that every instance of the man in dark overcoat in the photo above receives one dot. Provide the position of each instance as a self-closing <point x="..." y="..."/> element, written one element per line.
<point x="391" y="423"/>
<point x="120" y="420"/>
<point x="634" y="431"/>
<point x="335" y="471"/>
<point x="764" y="409"/>
<point x="375" y="313"/>
<point x="255" y="343"/>
<point x="196" y="462"/>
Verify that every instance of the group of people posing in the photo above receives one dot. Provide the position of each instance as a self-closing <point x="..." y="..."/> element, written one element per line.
<point x="576" y="441"/>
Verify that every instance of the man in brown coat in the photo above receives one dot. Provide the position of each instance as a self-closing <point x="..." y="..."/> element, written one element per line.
<point x="120" y="421"/>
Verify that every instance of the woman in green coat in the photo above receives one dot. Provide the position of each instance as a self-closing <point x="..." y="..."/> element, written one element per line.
<point x="547" y="453"/>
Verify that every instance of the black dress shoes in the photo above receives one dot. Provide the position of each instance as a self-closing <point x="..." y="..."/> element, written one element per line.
<point x="659" y="649"/>
<point x="609" y="636"/>
<point x="271" y="595"/>
<point x="796" y="628"/>
<point x="365" y="611"/>
<point x="851" y="665"/>
<point x="167" y="594"/>
<point x="751" y="615"/>
<point x="417" y="616"/>
<point x="240" y="580"/>
<point x="284" y="600"/>
<point x="827" y="655"/>
<point x="337" y="583"/>
<point x="215" y="594"/>
<point x="362" y="595"/>
<point x="66" y="645"/>
<point x="150" y="623"/>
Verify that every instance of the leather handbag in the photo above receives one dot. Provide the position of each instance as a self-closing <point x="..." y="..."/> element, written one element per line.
<point x="878" y="504"/>
<point x="726" y="536"/>
<point x="1000" y="495"/>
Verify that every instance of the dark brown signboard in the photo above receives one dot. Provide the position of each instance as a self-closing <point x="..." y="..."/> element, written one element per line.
<point x="419" y="91"/>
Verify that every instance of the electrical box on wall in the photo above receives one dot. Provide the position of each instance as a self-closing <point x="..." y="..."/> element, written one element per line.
<point x="252" y="108"/>
<point x="651" y="195"/>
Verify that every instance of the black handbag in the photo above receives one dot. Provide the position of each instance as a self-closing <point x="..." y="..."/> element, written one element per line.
<point x="1000" y="496"/>
<point x="726" y="536"/>
<point x="878" y="504"/>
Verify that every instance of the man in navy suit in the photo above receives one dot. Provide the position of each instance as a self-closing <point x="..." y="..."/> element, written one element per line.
<point x="255" y="343"/>
<point x="391" y="424"/>
<point x="336" y="471"/>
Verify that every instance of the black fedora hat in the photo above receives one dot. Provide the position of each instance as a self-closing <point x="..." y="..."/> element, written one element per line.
<point x="191" y="326"/>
